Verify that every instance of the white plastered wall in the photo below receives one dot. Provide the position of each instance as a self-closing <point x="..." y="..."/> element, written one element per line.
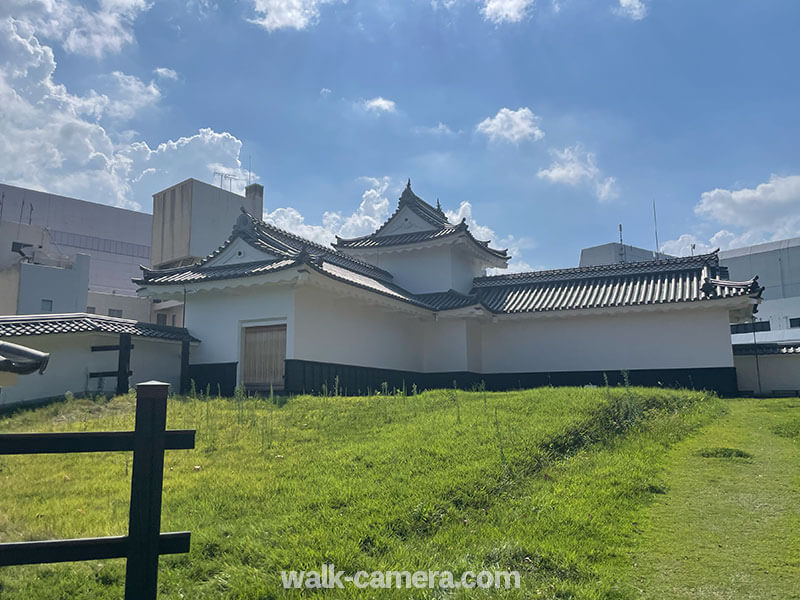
<point x="644" y="340"/>
<point x="71" y="361"/>
<point x="347" y="330"/>
<point x="217" y="317"/>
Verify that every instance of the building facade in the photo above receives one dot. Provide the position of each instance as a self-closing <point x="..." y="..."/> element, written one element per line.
<point x="410" y="305"/>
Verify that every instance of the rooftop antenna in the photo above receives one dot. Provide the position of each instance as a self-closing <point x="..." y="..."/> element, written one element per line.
<point x="693" y="247"/>
<point x="622" y="254"/>
<point x="221" y="175"/>
<point x="655" y="225"/>
<point x="249" y="167"/>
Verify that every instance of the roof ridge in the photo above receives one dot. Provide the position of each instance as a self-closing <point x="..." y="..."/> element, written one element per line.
<point x="698" y="261"/>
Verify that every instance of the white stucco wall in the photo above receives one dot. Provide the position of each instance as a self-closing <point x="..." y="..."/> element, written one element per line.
<point x="424" y="270"/>
<point x="71" y="361"/>
<point x="778" y="373"/>
<point x="346" y="330"/>
<point x="645" y="340"/>
<point x="217" y="317"/>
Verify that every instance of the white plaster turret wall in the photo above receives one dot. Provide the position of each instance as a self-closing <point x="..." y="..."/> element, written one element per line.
<point x="646" y="340"/>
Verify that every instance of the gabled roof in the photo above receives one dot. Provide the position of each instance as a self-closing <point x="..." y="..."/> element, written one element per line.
<point x="688" y="279"/>
<point x="287" y="247"/>
<point x="49" y="324"/>
<point x="435" y="217"/>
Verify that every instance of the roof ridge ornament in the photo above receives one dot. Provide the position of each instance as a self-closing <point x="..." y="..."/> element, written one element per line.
<point x="245" y="223"/>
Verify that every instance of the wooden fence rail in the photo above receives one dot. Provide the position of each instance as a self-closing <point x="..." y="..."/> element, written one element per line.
<point x="144" y="542"/>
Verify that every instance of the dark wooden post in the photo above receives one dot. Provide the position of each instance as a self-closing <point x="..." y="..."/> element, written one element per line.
<point x="141" y="576"/>
<point x="185" y="380"/>
<point x="124" y="363"/>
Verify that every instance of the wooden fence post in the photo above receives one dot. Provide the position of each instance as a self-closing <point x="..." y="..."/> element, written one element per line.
<point x="144" y="528"/>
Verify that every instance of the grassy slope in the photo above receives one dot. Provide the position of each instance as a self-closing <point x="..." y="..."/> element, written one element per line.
<point x="729" y="528"/>
<point x="548" y="481"/>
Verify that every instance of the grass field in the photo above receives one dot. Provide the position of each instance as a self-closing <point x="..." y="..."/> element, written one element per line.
<point x="555" y="483"/>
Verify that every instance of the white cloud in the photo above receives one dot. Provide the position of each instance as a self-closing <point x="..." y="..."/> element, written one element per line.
<point x="287" y="14"/>
<point x="80" y="30"/>
<point x="325" y="92"/>
<point x="770" y="211"/>
<point x="515" y="245"/>
<point x="79" y="142"/>
<point x="166" y="73"/>
<point x="440" y="129"/>
<point x="379" y="105"/>
<point x="633" y="9"/>
<point x="574" y="167"/>
<point x="505" y="11"/>
<point x="512" y="126"/>
<point x="371" y="213"/>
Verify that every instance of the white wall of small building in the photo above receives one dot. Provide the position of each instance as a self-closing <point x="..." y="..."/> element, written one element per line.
<point x="71" y="361"/>
<point x="643" y="340"/>
<point x="777" y="373"/>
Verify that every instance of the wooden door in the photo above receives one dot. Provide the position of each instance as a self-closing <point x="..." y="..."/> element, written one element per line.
<point x="264" y="356"/>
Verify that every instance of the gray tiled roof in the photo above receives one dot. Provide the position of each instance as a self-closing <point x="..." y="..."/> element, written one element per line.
<point x="283" y="245"/>
<point x="767" y="348"/>
<point x="22" y="325"/>
<point x="688" y="279"/>
<point x="434" y="216"/>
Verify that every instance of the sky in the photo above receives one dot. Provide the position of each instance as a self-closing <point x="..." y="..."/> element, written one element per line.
<point x="544" y="123"/>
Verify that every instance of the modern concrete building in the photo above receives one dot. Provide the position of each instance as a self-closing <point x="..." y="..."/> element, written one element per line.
<point x="767" y="350"/>
<point x="410" y="304"/>
<point x="77" y="256"/>
<point x="615" y="252"/>
<point x="113" y="240"/>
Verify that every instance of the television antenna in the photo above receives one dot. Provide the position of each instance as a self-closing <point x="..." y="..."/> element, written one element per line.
<point x="223" y="176"/>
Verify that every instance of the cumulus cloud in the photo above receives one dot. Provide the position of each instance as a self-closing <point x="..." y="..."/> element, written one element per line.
<point x="79" y="142"/>
<point x="512" y="126"/>
<point x="80" y="30"/>
<point x="505" y="11"/>
<point x="575" y="167"/>
<point x="325" y="92"/>
<point x="632" y="9"/>
<point x="166" y="73"/>
<point x="379" y="105"/>
<point x="514" y="245"/>
<point x="770" y="211"/>
<point x="287" y="14"/>
<point x="372" y="212"/>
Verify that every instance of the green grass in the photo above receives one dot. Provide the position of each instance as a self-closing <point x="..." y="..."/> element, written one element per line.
<point x="551" y="482"/>
<point x="729" y="529"/>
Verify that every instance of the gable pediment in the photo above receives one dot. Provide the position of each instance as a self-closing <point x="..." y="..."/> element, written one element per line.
<point x="239" y="251"/>
<point x="405" y="220"/>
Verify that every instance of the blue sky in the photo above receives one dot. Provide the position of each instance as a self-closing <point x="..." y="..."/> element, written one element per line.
<point x="545" y="124"/>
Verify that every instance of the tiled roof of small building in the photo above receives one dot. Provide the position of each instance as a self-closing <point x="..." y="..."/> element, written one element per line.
<point x="433" y="216"/>
<point x="49" y="324"/>
<point x="687" y="279"/>
<point x="767" y="348"/>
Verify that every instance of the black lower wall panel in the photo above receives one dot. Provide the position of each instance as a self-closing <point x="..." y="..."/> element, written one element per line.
<point x="312" y="377"/>
<point x="216" y="377"/>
